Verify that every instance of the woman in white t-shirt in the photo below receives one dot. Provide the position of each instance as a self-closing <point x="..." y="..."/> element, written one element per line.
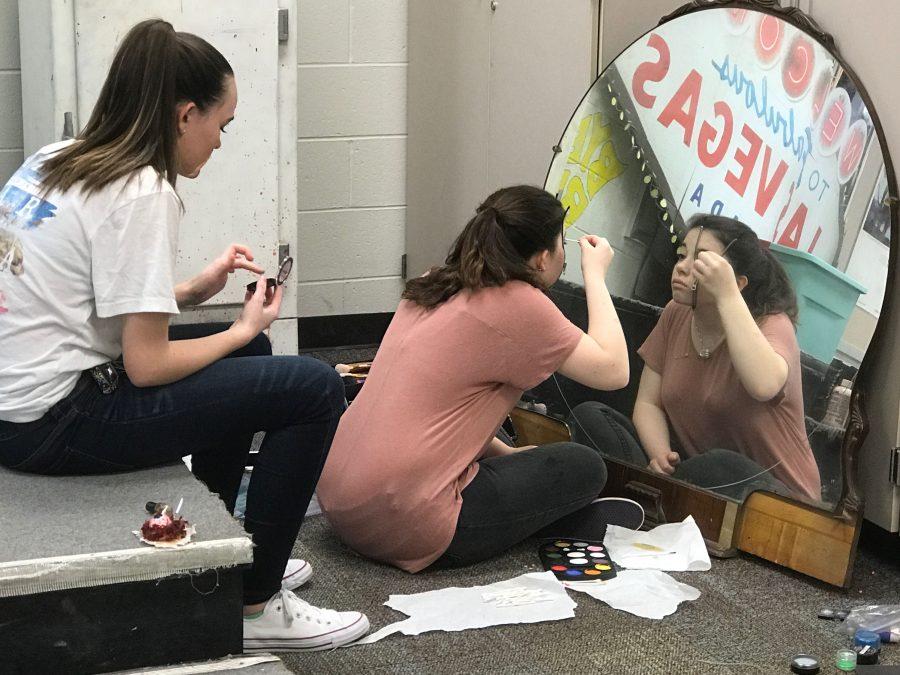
<point x="88" y="238"/>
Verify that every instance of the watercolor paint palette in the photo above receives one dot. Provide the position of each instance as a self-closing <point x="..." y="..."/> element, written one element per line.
<point x="577" y="560"/>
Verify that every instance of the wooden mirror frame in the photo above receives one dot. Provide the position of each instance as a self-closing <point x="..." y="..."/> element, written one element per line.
<point x="812" y="540"/>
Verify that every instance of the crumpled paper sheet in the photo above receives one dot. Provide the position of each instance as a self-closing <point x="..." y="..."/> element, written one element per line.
<point x="648" y="593"/>
<point x="529" y="598"/>
<point x="674" y="547"/>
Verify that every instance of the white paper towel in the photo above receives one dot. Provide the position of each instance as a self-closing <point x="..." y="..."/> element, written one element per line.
<point x="528" y="598"/>
<point x="674" y="547"/>
<point x="648" y="593"/>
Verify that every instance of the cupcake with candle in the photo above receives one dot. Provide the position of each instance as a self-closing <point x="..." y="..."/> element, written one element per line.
<point x="165" y="528"/>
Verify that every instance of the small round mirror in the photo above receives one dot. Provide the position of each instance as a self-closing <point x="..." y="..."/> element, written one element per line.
<point x="285" y="270"/>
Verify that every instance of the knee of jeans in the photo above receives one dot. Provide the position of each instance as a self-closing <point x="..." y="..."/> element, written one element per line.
<point x="336" y="393"/>
<point x="333" y="392"/>
<point x="589" y="465"/>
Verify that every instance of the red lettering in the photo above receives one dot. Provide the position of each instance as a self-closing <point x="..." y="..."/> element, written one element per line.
<point x="746" y="160"/>
<point x="708" y="134"/>
<point x="650" y="71"/>
<point x="767" y="190"/>
<point x="794" y="230"/>
<point x="688" y="94"/>
<point x="832" y="123"/>
<point x="851" y="152"/>
<point x="815" y="240"/>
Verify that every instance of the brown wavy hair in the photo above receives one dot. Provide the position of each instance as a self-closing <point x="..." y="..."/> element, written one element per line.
<point x="508" y="228"/>
<point x="134" y="123"/>
<point x="769" y="289"/>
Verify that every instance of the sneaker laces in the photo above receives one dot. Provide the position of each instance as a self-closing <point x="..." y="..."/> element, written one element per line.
<point x="292" y="607"/>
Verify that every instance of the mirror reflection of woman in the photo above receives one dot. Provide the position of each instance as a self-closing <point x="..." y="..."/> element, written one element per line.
<point x="720" y="402"/>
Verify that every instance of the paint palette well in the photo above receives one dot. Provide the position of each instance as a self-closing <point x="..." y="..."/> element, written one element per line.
<point x="577" y="560"/>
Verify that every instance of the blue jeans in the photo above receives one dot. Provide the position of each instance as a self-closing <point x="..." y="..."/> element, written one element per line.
<point x="211" y="415"/>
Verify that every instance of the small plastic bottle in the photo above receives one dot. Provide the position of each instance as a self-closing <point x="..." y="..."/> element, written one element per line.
<point x="838" y="411"/>
<point x="846" y="661"/>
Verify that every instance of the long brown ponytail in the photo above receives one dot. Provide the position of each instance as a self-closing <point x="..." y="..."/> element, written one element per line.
<point x="510" y="226"/>
<point x="133" y="124"/>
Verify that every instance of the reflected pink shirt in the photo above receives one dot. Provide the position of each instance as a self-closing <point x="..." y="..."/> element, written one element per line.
<point x="708" y="406"/>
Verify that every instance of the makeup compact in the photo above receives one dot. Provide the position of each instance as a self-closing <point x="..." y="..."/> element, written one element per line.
<point x="284" y="271"/>
<point x="576" y="560"/>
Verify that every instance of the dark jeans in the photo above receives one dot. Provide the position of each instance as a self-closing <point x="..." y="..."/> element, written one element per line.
<point x="726" y="472"/>
<point x="211" y="415"/>
<point x="514" y="496"/>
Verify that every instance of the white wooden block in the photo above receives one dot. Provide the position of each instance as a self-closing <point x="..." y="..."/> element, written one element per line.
<point x="324" y="174"/>
<point x="9" y="34"/>
<point x="324" y="31"/>
<point x="352" y="296"/>
<point x="378" y="172"/>
<point x="10" y="161"/>
<point x="283" y="336"/>
<point x="346" y="244"/>
<point x="352" y="101"/>
<point x="10" y="111"/>
<point x="378" y="31"/>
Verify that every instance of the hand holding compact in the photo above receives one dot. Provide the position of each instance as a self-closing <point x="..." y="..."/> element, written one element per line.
<point x="284" y="271"/>
<point x="261" y="308"/>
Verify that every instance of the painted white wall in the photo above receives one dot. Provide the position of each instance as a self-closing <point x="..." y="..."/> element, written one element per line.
<point x="351" y="155"/>
<point x="10" y="91"/>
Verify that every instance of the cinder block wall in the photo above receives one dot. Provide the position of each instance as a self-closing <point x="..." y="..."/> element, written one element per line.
<point x="10" y="91"/>
<point x="351" y="155"/>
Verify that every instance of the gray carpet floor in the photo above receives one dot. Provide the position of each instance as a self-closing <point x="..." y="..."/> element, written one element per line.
<point x="751" y="617"/>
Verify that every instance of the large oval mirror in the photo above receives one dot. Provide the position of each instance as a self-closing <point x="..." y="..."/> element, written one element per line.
<point x="741" y="114"/>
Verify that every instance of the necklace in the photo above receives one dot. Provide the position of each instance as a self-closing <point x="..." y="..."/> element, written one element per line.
<point x="703" y="351"/>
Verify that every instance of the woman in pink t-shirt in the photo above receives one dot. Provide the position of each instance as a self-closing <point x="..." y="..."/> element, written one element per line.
<point x="722" y="371"/>
<point x="415" y="472"/>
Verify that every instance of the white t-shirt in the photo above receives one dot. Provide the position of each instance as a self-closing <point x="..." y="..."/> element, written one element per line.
<point x="69" y="268"/>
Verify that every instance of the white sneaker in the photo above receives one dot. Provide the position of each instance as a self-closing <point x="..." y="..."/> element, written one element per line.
<point x="289" y="624"/>
<point x="296" y="573"/>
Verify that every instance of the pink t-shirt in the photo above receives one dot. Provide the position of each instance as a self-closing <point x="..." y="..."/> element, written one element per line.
<point x="708" y="407"/>
<point x="440" y="387"/>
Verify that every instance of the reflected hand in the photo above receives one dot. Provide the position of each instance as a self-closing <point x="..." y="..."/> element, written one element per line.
<point x="212" y="279"/>
<point x="716" y="275"/>
<point x="665" y="464"/>
<point x="596" y="255"/>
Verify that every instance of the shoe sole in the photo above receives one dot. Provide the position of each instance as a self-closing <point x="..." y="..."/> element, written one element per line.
<point x="298" y="578"/>
<point x="622" y="512"/>
<point x="342" y="637"/>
